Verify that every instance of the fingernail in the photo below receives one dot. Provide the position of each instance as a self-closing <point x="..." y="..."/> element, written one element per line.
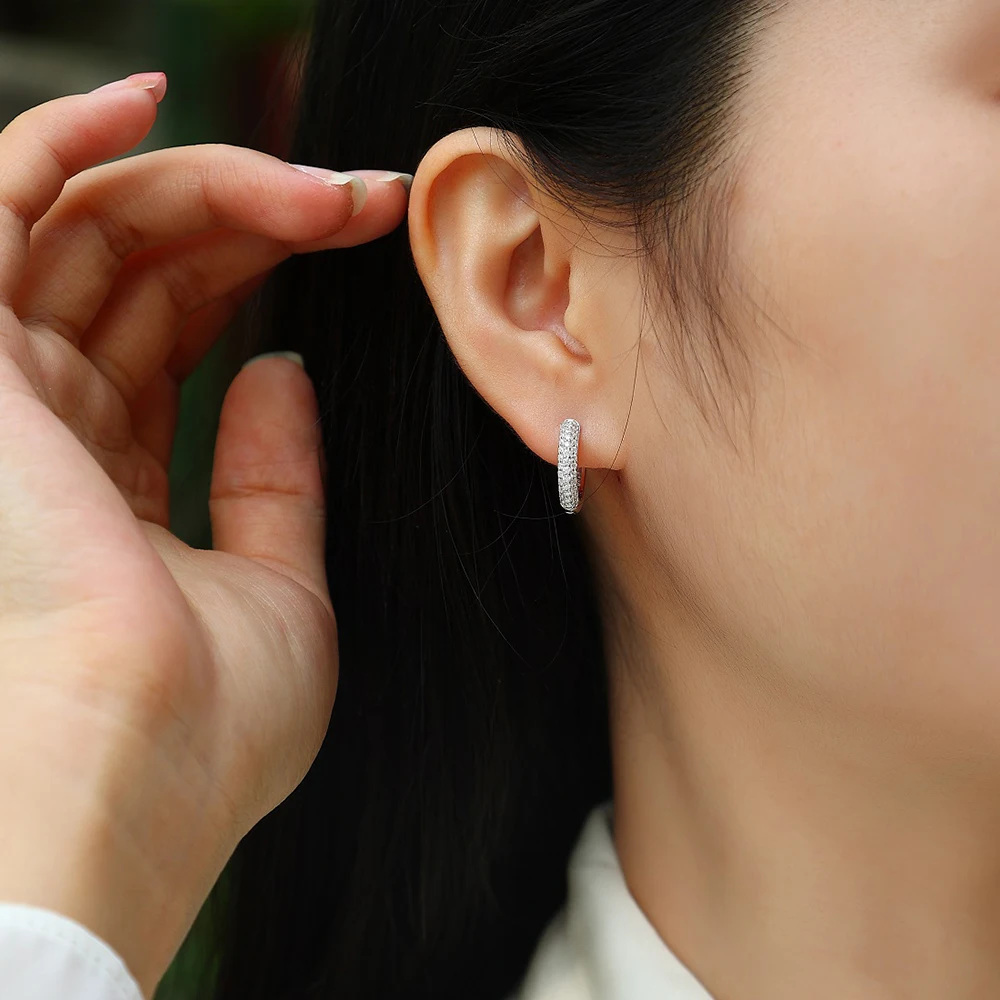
<point x="156" y="82"/>
<point x="289" y="355"/>
<point x="385" y="176"/>
<point x="359" y="190"/>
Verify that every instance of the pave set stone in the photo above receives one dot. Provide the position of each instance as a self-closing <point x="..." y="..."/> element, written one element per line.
<point x="569" y="470"/>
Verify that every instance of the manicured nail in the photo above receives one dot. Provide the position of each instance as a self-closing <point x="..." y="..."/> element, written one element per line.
<point x="359" y="190"/>
<point x="156" y="82"/>
<point x="290" y="355"/>
<point x="385" y="176"/>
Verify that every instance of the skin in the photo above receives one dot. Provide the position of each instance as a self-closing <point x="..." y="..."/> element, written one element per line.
<point x="155" y="700"/>
<point x="802" y="596"/>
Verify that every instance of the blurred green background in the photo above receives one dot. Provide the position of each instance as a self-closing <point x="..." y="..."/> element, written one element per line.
<point x="230" y="67"/>
<point x="230" y="71"/>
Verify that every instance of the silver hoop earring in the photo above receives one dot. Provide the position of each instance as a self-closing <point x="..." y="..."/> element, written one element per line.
<point x="571" y="476"/>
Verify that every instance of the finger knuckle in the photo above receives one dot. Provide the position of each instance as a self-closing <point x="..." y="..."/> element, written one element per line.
<point x="250" y="180"/>
<point x="282" y="481"/>
<point x="15" y="209"/>
<point x="48" y="136"/>
<point x="187" y="286"/>
<point x="59" y="373"/>
<point x="50" y="139"/>
<point x="216" y="182"/>
<point x="117" y="375"/>
<point x="119" y="235"/>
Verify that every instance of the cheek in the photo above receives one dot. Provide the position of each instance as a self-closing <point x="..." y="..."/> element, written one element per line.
<point x="861" y="527"/>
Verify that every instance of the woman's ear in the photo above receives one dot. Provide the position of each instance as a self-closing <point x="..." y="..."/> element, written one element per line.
<point x="535" y="309"/>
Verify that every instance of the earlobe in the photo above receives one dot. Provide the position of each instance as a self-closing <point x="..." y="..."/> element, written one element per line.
<point x="502" y="262"/>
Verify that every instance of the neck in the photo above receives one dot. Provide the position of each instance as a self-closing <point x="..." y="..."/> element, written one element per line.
<point x="783" y="854"/>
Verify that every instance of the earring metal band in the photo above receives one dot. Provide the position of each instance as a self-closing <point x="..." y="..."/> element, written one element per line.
<point x="571" y="476"/>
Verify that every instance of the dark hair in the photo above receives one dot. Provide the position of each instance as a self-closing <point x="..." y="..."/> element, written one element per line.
<point x="426" y="850"/>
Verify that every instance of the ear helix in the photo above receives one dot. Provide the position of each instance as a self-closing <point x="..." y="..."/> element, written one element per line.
<point x="570" y="476"/>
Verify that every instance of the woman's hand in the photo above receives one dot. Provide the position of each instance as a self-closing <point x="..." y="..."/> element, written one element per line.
<point x="155" y="700"/>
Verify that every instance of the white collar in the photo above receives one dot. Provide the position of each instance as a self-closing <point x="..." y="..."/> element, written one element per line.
<point x="602" y="946"/>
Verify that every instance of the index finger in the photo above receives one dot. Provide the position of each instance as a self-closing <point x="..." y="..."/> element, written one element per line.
<point x="46" y="145"/>
<point x="157" y="200"/>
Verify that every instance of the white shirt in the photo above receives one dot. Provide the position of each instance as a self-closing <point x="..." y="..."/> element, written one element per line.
<point x="599" y="947"/>
<point x="602" y="946"/>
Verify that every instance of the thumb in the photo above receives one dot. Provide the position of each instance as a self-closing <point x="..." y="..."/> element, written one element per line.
<point x="266" y="501"/>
